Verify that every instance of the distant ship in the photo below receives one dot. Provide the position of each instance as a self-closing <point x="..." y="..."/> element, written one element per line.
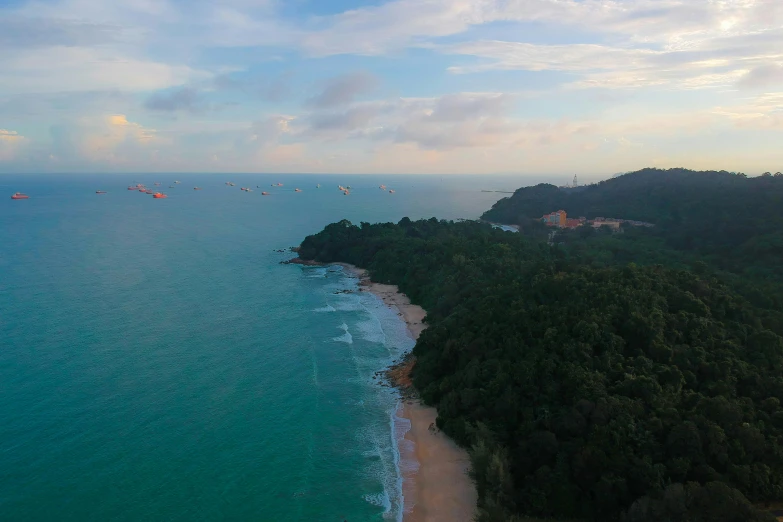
<point x="158" y="195"/>
<point x="100" y="192"/>
<point x="382" y="187"/>
<point x="391" y="191"/>
<point x="19" y="195"/>
<point x="318" y="186"/>
<point x="265" y="193"/>
<point x="157" y="183"/>
<point x="177" y="182"/>
<point x="132" y="188"/>
<point x="196" y="188"/>
<point x="148" y="191"/>
<point x="297" y="190"/>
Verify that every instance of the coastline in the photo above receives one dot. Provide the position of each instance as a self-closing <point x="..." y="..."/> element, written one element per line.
<point x="436" y="486"/>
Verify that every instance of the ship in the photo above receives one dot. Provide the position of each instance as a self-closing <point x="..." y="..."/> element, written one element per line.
<point x="297" y="190"/>
<point x="265" y="193"/>
<point x="100" y="192"/>
<point x="19" y="195"/>
<point x="196" y="188"/>
<point x="159" y="195"/>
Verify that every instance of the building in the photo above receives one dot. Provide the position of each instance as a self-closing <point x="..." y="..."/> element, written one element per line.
<point x="555" y="219"/>
<point x="614" y="225"/>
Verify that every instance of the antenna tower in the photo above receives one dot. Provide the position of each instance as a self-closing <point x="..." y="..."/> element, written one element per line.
<point x="575" y="182"/>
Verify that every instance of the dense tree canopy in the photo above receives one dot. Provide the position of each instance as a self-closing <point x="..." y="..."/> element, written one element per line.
<point x="732" y="222"/>
<point x="586" y="390"/>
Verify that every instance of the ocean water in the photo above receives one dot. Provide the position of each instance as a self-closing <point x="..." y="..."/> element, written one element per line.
<point x="157" y="362"/>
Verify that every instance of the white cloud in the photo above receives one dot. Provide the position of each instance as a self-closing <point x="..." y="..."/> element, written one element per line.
<point x="63" y="69"/>
<point x="10" y="142"/>
<point x="761" y="112"/>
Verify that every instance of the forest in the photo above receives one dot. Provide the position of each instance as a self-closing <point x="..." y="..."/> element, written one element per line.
<point x="726" y="219"/>
<point x="585" y="384"/>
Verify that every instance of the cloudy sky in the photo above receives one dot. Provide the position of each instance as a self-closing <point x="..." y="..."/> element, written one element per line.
<point x="420" y="86"/>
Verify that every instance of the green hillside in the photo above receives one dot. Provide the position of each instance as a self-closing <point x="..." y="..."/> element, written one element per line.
<point x="595" y="393"/>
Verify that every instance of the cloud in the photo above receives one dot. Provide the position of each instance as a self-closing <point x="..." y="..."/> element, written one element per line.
<point x="26" y="32"/>
<point x="762" y="76"/>
<point x="271" y="129"/>
<point x="443" y="123"/>
<point x="272" y="89"/>
<point x="182" y="99"/>
<point x="9" y="136"/>
<point x="532" y="57"/>
<point x="392" y="26"/>
<point x="63" y="69"/>
<point x="10" y="142"/>
<point x="707" y="63"/>
<point x="762" y="112"/>
<point x="462" y="106"/>
<point x="343" y="90"/>
<point x="353" y="118"/>
<point x="114" y="140"/>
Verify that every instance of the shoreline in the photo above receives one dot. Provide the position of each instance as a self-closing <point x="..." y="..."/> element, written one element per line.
<point x="436" y="486"/>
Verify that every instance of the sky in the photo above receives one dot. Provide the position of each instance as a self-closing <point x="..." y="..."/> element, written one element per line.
<point x="401" y="86"/>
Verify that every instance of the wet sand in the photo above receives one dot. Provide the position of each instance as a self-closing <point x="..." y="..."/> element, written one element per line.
<point x="440" y="490"/>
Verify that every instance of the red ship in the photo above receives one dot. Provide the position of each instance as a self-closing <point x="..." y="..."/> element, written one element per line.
<point x="19" y="195"/>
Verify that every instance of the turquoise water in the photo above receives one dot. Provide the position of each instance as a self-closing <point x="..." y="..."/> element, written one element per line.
<point x="158" y="363"/>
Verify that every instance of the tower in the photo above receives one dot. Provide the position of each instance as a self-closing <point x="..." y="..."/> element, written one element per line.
<point x="575" y="182"/>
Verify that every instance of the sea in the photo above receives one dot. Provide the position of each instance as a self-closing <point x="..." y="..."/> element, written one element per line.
<point x="159" y="363"/>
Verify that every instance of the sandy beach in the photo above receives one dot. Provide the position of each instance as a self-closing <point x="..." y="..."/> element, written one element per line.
<point x="440" y="490"/>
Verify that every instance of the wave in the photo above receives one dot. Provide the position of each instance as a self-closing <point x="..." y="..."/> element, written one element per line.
<point x="382" y="465"/>
<point x="327" y="308"/>
<point x="380" y="500"/>
<point x="346" y="337"/>
<point x="348" y="303"/>
<point x="318" y="272"/>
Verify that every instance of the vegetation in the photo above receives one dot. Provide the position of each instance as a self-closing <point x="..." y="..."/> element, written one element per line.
<point x="585" y="385"/>
<point x="726" y="219"/>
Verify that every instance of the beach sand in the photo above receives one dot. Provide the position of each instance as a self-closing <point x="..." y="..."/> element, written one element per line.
<point x="440" y="490"/>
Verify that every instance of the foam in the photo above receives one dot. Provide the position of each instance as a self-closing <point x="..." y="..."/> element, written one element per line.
<point x="348" y="303"/>
<point x="372" y="321"/>
<point x="380" y="500"/>
<point x="325" y="309"/>
<point x="344" y="338"/>
<point x="317" y="272"/>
